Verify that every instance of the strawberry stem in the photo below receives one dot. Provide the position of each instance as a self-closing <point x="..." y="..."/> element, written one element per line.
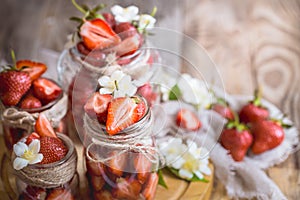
<point x="13" y="57"/>
<point x="257" y="97"/>
<point x="78" y="7"/>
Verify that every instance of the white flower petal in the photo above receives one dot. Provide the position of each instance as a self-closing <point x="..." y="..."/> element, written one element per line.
<point x="199" y="174"/>
<point x="117" y="75"/>
<point x="205" y="169"/>
<point x="119" y="93"/>
<point x="106" y="90"/>
<point x="125" y="14"/>
<point x="185" y="174"/>
<point x="116" y="10"/>
<point x="20" y="163"/>
<point x="146" y="22"/>
<point x="20" y="148"/>
<point x="177" y="164"/>
<point x="34" y="146"/>
<point x="105" y="81"/>
<point x="36" y="158"/>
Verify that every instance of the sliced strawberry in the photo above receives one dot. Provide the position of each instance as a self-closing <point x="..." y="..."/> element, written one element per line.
<point x="188" y="120"/>
<point x="224" y="110"/>
<point x="103" y="195"/>
<point x="97" y="34"/>
<point x="34" y="69"/>
<point x="125" y="30"/>
<point x="127" y="189"/>
<point x="46" y="90"/>
<point x="97" y="105"/>
<point x="33" y="193"/>
<point x="53" y="149"/>
<point x="149" y="188"/>
<point x="121" y="114"/>
<point x="14" y="85"/>
<point x="117" y="164"/>
<point x="141" y="108"/>
<point x="97" y="182"/>
<point x="30" y="102"/>
<point x="59" y="194"/>
<point x="110" y="19"/>
<point x="147" y="92"/>
<point x="127" y="47"/>
<point x="32" y="136"/>
<point x="43" y="126"/>
<point x="142" y="166"/>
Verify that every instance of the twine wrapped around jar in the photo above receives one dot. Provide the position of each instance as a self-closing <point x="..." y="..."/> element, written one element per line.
<point x="53" y="174"/>
<point x="25" y="120"/>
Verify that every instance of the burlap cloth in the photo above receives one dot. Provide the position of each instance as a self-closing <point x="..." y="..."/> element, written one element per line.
<point x="245" y="179"/>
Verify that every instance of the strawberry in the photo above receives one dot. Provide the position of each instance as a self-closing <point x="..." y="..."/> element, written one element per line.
<point x="142" y="166"/>
<point x="32" y="136"/>
<point x="267" y="134"/>
<point x="127" y="47"/>
<point x="102" y="195"/>
<point x="253" y="111"/>
<point x="110" y="19"/>
<point x="53" y="149"/>
<point x="97" y="34"/>
<point x="46" y="90"/>
<point x="141" y="107"/>
<point x="33" y="193"/>
<point x="147" y="92"/>
<point x="122" y="113"/>
<point x="43" y="126"/>
<point x="188" y="120"/>
<point x="125" y="30"/>
<point x="149" y="188"/>
<point x="30" y="102"/>
<point x="128" y="189"/>
<point x="97" y="182"/>
<point x="34" y="69"/>
<point x="224" y="110"/>
<point x="82" y="48"/>
<point x="236" y="138"/>
<point x="14" y="84"/>
<point x="117" y="164"/>
<point x="97" y="105"/>
<point x="60" y="193"/>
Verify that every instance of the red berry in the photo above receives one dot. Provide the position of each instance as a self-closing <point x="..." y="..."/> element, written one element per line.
<point x="43" y="126"/>
<point x="53" y="149"/>
<point x="125" y="30"/>
<point x="30" y="102"/>
<point x="34" y="69"/>
<point x="46" y="90"/>
<point x="188" y="120"/>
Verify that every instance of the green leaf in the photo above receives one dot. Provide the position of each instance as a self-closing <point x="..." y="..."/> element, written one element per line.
<point x="175" y="93"/>
<point x="161" y="180"/>
<point x="99" y="7"/>
<point x="193" y="179"/>
<point x="85" y="7"/>
<point x="76" y="19"/>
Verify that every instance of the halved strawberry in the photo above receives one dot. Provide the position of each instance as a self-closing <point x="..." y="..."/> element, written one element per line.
<point x="59" y="194"/>
<point x="97" y="105"/>
<point x="149" y="188"/>
<point x="33" y="193"/>
<point x="127" y="47"/>
<point x="117" y="164"/>
<point x="102" y="195"/>
<point x="43" y="126"/>
<point x="141" y="107"/>
<point x="53" y="149"/>
<point x="127" y="189"/>
<point x="32" y="136"/>
<point x="188" y="120"/>
<point x="46" y="90"/>
<point x="14" y="84"/>
<point x="97" y="34"/>
<point x="34" y="69"/>
<point x="142" y="166"/>
<point x="30" y="102"/>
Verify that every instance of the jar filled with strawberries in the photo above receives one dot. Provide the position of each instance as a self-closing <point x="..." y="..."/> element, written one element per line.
<point x="43" y="166"/>
<point x="108" y="41"/>
<point x="24" y="94"/>
<point x="121" y="156"/>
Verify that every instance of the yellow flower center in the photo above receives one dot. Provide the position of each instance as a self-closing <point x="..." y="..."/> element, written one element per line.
<point x="189" y="165"/>
<point x="28" y="155"/>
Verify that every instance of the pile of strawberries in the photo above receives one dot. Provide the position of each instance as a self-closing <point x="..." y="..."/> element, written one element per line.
<point x="22" y="86"/>
<point x="103" y="35"/>
<point x="252" y="129"/>
<point x="116" y="113"/>
<point x="53" y="150"/>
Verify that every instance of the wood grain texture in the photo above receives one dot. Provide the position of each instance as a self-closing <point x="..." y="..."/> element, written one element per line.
<point x="255" y="44"/>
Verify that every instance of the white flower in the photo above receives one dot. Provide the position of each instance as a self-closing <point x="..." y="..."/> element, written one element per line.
<point x="119" y="84"/>
<point x="125" y="14"/>
<point x="194" y="91"/>
<point x="188" y="159"/>
<point x="27" y="154"/>
<point x="146" y="22"/>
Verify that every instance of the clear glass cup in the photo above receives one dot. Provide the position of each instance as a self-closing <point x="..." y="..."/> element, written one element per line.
<point x="123" y="166"/>
<point x="59" y="179"/>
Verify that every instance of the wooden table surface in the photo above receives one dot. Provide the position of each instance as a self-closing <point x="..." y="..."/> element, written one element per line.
<point x="253" y="43"/>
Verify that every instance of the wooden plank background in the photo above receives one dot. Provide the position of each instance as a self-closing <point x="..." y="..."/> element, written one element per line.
<point x="253" y="42"/>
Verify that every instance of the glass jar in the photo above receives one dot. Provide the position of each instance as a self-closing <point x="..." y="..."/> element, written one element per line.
<point x="123" y="166"/>
<point x="58" y="180"/>
<point x="18" y="122"/>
